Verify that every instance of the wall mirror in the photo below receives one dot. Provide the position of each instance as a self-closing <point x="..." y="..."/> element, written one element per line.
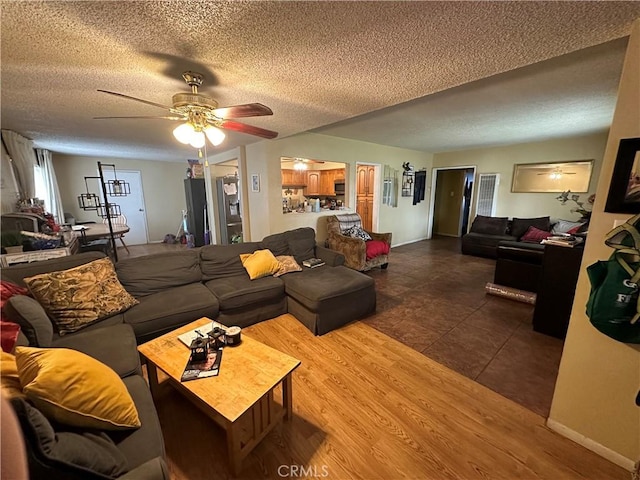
<point x="552" y="177"/>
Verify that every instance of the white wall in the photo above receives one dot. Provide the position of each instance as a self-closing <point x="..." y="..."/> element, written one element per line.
<point x="593" y="402"/>
<point x="407" y="222"/>
<point x="502" y="160"/>
<point x="162" y="183"/>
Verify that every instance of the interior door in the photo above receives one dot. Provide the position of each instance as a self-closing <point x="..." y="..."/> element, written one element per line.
<point x="132" y="206"/>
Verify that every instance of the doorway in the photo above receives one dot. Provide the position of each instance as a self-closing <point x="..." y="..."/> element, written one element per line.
<point x="132" y="206"/>
<point x="366" y="194"/>
<point x="451" y="195"/>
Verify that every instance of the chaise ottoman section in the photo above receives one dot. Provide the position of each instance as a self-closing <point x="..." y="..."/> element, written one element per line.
<point x="326" y="298"/>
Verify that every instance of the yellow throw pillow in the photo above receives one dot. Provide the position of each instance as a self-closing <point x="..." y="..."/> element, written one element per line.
<point x="11" y="386"/>
<point x="80" y="296"/>
<point x="75" y="389"/>
<point x="260" y="263"/>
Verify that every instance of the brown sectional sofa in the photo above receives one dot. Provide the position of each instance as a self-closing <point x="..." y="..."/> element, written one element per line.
<point x="178" y="287"/>
<point x="174" y="289"/>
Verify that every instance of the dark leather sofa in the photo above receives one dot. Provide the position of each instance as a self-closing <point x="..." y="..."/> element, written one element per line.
<point x="486" y="233"/>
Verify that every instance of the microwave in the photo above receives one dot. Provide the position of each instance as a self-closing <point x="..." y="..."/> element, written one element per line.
<point x="338" y="187"/>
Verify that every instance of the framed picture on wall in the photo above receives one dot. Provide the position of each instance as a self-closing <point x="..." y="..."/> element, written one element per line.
<point x="624" y="190"/>
<point x="255" y="182"/>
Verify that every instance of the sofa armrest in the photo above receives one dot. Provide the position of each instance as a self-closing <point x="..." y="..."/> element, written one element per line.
<point x="384" y="237"/>
<point x="330" y="257"/>
<point x="353" y="249"/>
<point x="114" y="345"/>
<point x="32" y="318"/>
<point x="154" y="469"/>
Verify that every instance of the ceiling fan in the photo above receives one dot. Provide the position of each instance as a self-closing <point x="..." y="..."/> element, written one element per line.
<point x="299" y="163"/>
<point x="202" y="116"/>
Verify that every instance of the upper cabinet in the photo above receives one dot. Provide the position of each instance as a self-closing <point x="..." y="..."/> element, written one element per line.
<point x="292" y="177"/>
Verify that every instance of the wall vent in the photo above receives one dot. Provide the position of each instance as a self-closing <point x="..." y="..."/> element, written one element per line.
<point x="487" y="194"/>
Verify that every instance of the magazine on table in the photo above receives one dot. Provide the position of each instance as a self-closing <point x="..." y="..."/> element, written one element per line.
<point x="210" y="367"/>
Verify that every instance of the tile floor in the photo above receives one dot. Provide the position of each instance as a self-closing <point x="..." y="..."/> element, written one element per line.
<point x="432" y="299"/>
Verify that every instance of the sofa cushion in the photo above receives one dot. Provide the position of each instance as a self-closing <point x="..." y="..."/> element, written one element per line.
<point x="240" y="291"/>
<point x="519" y="226"/>
<point x="487" y="240"/>
<point x="259" y="263"/>
<point x="75" y="389"/>
<point x="84" y="454"/>
<point x="277" y="243"/>
<point x="326" y="288"/>
<point x="155" y="273"/>
<point x="288" y="264"/>
<point x="33" y="320"/>
<point x="113" y="345"/>
<point x="164" y="311"/>
<point x="490" y="225"/>
<point x="222" y="261"/>
<point x="80" y="296"/>
<point x="302" y="242"/>
<point x="535" y="235"/>
<point x="145" y="443"/>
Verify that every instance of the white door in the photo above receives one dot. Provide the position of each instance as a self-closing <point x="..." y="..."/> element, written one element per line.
<point x="131" y="206"/>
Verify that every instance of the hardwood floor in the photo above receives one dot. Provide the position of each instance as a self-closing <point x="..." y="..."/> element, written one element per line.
<point x="368" y="407"/>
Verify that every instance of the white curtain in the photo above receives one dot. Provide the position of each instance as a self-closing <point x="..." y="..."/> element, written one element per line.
<point x="23" y="159"/>
<point x="52" y="201"/>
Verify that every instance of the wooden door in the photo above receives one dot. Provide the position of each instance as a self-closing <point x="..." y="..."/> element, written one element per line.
<point x="364" y="195"/>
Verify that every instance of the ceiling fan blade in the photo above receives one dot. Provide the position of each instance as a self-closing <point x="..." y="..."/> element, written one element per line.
<point x="146" y="117"/>
<point x="246" y="110"/>
<point x="250" y="129"/>
<point x="153" y="104"/>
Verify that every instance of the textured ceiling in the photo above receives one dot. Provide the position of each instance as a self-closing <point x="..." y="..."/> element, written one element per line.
<point x="315" y="64"/>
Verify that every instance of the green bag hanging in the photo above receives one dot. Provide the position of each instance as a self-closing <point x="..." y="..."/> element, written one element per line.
<point x="614" y="303"/>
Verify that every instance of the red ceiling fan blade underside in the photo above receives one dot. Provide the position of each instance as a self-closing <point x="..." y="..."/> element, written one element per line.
<point x="250" y="129"/>
<point x="240" y="111"/>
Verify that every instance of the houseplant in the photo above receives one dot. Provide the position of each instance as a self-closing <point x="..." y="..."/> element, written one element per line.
<point x="11" y="242"/>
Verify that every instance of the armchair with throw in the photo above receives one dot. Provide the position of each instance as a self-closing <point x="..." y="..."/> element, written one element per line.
<point x="362" y="250"/>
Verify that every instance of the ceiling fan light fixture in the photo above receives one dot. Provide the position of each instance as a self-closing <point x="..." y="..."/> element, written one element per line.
<point x="214" y="134"/>
<point x="197" y="139"/>
<point x="298" y="165"/>
<point x="184" y="132"/>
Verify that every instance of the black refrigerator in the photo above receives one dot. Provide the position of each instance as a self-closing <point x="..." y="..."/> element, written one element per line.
<point x="229" y="209"/>
<point x="196" y="197"/>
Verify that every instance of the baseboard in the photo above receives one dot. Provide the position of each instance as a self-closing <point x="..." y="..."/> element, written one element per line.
<point x="592" y="445"/>
<point x="409" y="242"/>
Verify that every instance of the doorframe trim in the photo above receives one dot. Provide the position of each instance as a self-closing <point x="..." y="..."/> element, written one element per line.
<point x="432" y="195"/>
<point x="144" y="202"/>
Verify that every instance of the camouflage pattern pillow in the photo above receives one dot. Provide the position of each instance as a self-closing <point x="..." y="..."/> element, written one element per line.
<point x="287" y="264"/>
<point x="80" y="296"/>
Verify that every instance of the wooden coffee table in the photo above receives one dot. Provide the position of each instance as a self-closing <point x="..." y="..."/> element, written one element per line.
<point x="240" y="399"/>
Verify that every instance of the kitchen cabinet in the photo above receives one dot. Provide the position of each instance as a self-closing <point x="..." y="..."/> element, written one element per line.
<point x="326" y="182"/>
<point x="313" y="183"/>
<point x="291" y="177"/>
<point x="365" y="182"/>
